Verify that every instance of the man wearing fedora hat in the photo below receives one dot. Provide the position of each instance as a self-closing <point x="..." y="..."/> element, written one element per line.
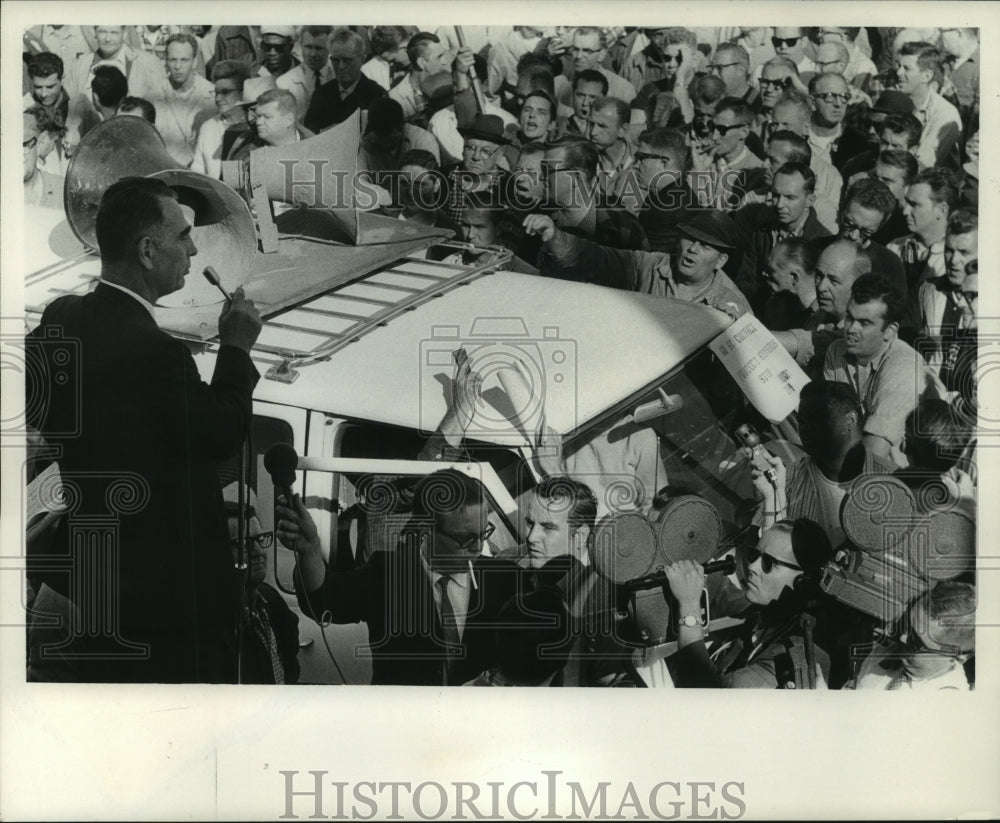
<point x="695" y="274"/>
<point x="478" y="171"/>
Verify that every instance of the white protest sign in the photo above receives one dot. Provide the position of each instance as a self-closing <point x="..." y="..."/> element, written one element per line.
<point x="767" y="373"/>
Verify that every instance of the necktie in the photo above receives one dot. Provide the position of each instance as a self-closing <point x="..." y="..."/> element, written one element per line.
<point x="449" y="626"/>
<point x="262" y="628"/>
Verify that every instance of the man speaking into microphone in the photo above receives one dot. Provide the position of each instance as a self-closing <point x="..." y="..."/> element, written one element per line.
<point x="146" y="434"/>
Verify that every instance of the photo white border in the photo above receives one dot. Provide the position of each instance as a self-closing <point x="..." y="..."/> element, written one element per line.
<point x="92" y="752"/>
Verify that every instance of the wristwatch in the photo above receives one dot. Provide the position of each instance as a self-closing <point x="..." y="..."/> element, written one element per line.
<point x="690" y="621"/>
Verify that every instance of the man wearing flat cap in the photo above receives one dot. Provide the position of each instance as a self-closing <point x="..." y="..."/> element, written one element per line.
<point x="478" y="172"/>
<point x="694" y="274"/>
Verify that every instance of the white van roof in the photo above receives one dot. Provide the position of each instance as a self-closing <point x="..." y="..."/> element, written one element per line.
<point x="586" y="348"/>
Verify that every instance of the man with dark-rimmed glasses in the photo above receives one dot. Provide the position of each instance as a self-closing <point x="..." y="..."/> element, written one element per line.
<point x="271" y="630"/>
<point x="431" y="604"/>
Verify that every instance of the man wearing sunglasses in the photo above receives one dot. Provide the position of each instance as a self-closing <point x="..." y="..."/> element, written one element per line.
<point x="432" y="603"/>
<point x="733" y="168"/>
<point x="781" y="578"/>
<point x="790" y="42"/>
<point x="270" y="630"/>
<point x="276" y="56"/>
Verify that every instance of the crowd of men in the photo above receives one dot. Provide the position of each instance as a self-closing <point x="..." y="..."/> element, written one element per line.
<point x="824" y="179"/>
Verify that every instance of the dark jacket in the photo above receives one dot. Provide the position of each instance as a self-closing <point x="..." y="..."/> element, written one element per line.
<point x="393" y="594"/>
<point x="850" y="144"/>
<point x="757" y="222"/>
<point x="327" y="108"/>
<point x="256" y="660"/>
<point x="140" y="435"/>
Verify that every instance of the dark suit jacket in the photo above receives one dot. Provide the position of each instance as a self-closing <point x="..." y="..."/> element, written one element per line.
<point x="757" y="223"/>
<point x="135" y="409"/>
<point x="851" y="144"/>
<point x="393" y="594"/>
<point x="327" y="108"/>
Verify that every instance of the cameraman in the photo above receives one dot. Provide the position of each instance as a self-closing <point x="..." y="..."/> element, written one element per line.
<point x="932" y="655"/>
<point x="773" y="649"/>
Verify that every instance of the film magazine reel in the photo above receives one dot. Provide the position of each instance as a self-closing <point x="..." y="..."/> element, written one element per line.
<point x="633" y="552"/>
<point x="899" y="546"/>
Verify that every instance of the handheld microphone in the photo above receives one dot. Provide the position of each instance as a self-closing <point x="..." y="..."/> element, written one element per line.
<point x="727" y="565"/>
<point x="281" y="461"/>
<point x="212" y="277"/>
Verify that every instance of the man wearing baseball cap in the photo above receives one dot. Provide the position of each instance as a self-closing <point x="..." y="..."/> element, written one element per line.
<point x="694" y="274"/>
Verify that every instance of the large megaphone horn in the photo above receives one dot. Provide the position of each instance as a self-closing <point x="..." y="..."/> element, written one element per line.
<point x="324" y="173"/>
<point x="131" y="147"/>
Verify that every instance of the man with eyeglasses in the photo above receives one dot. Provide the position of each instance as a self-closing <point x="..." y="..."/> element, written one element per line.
<point x="350" y="90"/>
<point x="829" y="136"/>
<point x="228" y="78"/>
<point x="270" y="631"/>
<point x="588" y="50"/>
<point x="947" y="303"/>
<point x="897" y="132"/>
<point x="478" y="171"/>
<point x="40" y="187"/>
<point x="777" y="76"/>
<point x="866" y="207"/>
<point x="431" y="604"/>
